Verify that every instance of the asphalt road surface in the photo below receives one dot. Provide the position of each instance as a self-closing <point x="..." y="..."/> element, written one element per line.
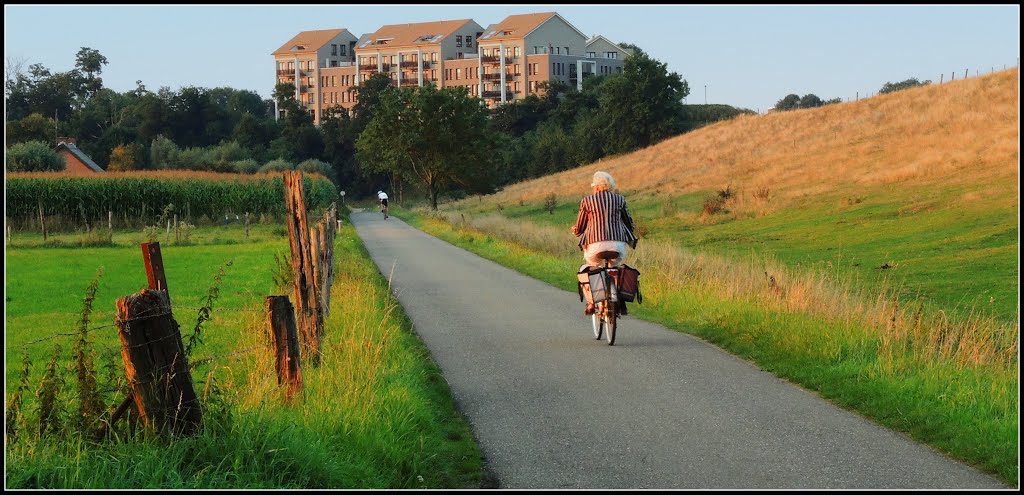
<point x="554" y="408"/>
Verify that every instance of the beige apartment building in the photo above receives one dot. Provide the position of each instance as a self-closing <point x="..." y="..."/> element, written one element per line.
<point x="498" y="64"/>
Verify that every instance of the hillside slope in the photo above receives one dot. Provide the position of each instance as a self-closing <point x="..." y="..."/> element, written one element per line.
<point x="964" y="132"/>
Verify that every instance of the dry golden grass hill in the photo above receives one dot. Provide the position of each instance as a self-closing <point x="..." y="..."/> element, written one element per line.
<point x="960" y="133"/>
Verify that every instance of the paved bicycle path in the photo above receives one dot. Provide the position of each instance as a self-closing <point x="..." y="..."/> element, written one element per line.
<point x="553" y="408"/>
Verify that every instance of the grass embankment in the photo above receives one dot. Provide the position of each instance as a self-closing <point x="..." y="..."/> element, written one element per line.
<point x="865" y="250"/>
<point x="376" y="413"/>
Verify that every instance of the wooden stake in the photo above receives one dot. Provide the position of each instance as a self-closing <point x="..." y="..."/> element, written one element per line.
<point x="284" y="338"/>
<point x="155" y="363"/>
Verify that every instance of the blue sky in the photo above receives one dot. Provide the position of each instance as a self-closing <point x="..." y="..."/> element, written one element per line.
<point x="748" y="56"/>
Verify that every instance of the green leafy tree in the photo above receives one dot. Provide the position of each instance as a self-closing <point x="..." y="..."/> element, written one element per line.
<point x="33" y="156"/>
<point x="164" y="154"/>
<point x="437" y="136"/>
<point x="642" y="105"/>
<point x="905" y="84"/>
<point x="789" y="102"/>
<point x="34" y="127"/>
<point x="810" y="100"/>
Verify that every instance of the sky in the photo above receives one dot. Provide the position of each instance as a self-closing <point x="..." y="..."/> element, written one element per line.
<point x="747" y="56"/>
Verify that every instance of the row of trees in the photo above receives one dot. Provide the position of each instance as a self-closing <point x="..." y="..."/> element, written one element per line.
<point x="793" y="101"/>
<point x="440" y="140"/>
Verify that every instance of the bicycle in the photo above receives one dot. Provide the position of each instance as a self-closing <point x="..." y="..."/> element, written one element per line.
<point x="384" y="210"/>
<point x="607" y="306"/>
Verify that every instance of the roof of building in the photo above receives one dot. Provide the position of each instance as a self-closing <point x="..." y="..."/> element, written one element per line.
<point x="597" y="37"/>
<point x="308" y="41"/>
<point x="417" y="34"/>
<point x="519" y="25"/>
<point x="82" y="157"/>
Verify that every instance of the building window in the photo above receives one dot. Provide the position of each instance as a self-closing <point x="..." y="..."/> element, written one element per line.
<point x="458" y="41"/>
<point x="342" y="50"/>
<point x="469" y="42"/>
<point x="611" y="55"/>
<point x="334" y="50"/>
<point x="458" y="74"/>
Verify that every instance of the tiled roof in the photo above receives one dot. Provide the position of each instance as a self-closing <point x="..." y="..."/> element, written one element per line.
<point x="80" y="155"/>
<point x="418" y="34"/>
<point x="308" y="41"/>
<point x="518" y="26"/>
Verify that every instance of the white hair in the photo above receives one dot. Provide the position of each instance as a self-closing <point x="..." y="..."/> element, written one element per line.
<point x="603" y="180"/>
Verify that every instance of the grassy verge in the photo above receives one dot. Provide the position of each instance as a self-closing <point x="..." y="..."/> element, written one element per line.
<point x="944" y="385"/>
<point x="376" y="413"/>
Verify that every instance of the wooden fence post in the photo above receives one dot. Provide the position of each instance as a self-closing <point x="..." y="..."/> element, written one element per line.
<point x="155" y="363"/>
<point x="154" y="262"/>
<point x="284" y="338"/>
<point x="310" y="321"/>
<point x="247" y="225"/>
<point x="42" y="220"/>
<point x="110" y="220"/>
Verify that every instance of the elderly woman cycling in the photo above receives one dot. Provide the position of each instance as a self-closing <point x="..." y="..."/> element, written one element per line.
<point x="603" y="224"/>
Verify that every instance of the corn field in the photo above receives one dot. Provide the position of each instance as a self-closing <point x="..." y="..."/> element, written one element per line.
<point x="136" y="199"/>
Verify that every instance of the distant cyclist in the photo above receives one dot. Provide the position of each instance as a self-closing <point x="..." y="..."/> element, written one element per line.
<point x="604" y="223"/>
<point x="383" y="197"/>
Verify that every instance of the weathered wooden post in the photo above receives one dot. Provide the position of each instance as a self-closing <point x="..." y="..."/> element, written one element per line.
<point x="247" y="225"/>
<point x="154" y="263"/>
<point x="310" y="321"/>
<point x="42" y="220"/>
<point x="110" y="220"/>
<point x="155" y="363"/>
<point x="284" y="338"/>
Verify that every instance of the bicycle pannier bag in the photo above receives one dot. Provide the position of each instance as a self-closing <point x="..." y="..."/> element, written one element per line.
<point x="629" y="284"/>
<point x="583" y="286"/>
<point x="598" y="289"/>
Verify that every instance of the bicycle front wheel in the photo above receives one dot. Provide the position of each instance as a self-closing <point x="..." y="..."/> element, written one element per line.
<point x="610" y="323"/>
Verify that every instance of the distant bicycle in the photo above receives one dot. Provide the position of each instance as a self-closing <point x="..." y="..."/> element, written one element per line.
<point x="384" y="208"/>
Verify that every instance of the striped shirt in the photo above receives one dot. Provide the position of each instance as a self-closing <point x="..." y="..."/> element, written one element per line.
<point x="604" y="217"/>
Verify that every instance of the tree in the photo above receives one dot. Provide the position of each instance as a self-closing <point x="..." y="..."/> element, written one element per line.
<point x="641" y="105"/>
<point x="789" y="102"/>
<point x="906" y="84"/>
<point x="34" y="127"/>
<point x="33" y="156"/>
<point x="810" y="100"/>
<point x="126" y="157"/>
<point x="439" y="137"/>
<point x="90" y="62"/>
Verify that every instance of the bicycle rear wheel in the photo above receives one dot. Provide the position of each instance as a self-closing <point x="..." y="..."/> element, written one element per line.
<point x="598" y="323"/>
<point x="610" y="323"/>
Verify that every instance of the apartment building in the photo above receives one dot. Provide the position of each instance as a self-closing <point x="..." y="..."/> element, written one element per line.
<point x="501" y="63"/>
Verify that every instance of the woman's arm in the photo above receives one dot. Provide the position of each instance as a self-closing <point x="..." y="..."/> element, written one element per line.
<point x="581" y="221"/>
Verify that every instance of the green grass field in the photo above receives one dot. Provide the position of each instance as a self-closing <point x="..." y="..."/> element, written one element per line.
<point x="376" y="413"/>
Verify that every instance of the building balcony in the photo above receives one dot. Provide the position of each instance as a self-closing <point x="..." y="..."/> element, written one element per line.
<point x="490" y="59"/>
<point x="410" y="64"/>
<point x="497" y="77"/>
<point x="369" y="67"/>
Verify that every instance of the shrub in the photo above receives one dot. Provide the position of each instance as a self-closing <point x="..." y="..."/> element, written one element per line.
<point x="277" y="165"/>
<point x="33" y="156"/>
